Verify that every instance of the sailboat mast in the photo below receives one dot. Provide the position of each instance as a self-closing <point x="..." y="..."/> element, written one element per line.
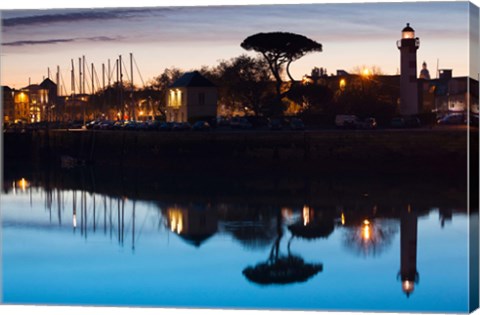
<point x="73" y="90"/>
<point x="121" y="86"/>
<point x="131" y="91"/>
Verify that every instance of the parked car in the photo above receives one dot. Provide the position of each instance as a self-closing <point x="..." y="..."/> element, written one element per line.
<point x="452" y="119"/>
<point x="257" y="121"/>
<point x="240" y="123"/>
<point x="118" y="125"/>
<point x="223" y="122"/>
<point x="368" y="123"/>
<point x="474" y="120"/>
<point x="105" y="125"/>
<point x="181" y="126"/>
<point x="165" y="126"/>
<point x="201" y="125"/>
<point x="141" y="125"/>
<point x="153" y="125"/>
<point x="92" y="124"/>
<point x="296" y="124"/>
<point x="76" y="124"/>
<point x="405" y="122"/>
<point x="130" y="125"/>
<point x="275" y="124"/>
<point x="346" y="121"/>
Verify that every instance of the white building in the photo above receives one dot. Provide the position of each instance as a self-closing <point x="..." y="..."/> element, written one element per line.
<point x="191" y="97"/>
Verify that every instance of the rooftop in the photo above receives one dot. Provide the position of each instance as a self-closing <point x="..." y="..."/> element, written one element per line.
<point x="192" y="79"/>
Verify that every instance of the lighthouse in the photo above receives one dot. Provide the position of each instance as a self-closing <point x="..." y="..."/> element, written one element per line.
<point x="408" y="46"/>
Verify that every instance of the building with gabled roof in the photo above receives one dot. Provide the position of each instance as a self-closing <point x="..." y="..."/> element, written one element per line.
<point x="191" y="97"/>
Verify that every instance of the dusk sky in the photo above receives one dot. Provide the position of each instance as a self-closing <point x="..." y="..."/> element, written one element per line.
<point x="352" y="35"/>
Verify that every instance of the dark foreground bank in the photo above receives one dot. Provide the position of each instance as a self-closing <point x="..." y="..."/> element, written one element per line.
<point x="392" y="151"/>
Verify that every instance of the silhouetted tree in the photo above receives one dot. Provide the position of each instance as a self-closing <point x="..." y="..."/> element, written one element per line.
<point x="367" y="96"/>
<point x="113" y="99"/>
<point x="243" y="82"/>
<point x="158" y="87"/>
<point x="311" y="97"/>
<point x="279" y="50"/>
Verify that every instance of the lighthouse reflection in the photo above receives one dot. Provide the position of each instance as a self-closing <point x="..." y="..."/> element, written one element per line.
<point x="408" y="274"/>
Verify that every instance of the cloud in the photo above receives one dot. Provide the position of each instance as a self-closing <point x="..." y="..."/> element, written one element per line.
<point x="69" y="17"/>
<point x="57" y="41"/>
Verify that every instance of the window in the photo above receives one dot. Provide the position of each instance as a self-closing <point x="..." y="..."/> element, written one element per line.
<point x="175" y="98"/>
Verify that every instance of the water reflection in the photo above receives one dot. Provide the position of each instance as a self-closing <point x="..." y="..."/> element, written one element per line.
<point x="408" y="246"/>
<point x="194" y="223"/>
<point x="371" y="236"/>
<point x="281" y="269"/>
<point x="253" y="226"/>
<point x="287" y="232"/>
<point x="313" y="224"/>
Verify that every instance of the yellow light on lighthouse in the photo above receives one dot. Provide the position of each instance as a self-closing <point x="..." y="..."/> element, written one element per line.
<point x="408" y="32"/>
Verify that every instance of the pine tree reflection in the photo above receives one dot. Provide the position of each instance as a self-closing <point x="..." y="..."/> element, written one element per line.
<point x="254" y="227"/>
<point x="313" y="224"/>
<point x="281" y="269"/>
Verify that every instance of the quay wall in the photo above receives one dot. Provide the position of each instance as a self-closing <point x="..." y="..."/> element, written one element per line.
<point x="324" y="150"/>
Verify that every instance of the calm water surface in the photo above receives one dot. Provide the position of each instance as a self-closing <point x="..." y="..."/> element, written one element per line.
<point x="74" y="246"/>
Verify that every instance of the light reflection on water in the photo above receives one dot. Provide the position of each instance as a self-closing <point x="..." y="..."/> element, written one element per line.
<point x="78" y="247"/>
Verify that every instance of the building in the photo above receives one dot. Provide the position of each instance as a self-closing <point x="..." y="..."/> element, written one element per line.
<point x="33" y="103"/>
<point x="191" y="97"/>
<point x="443" y="95"/>
<point x="8" y="105"/>
<point x="454" y="94"/>
<point x="52" y="110"/>
<point x="424" y="73"/>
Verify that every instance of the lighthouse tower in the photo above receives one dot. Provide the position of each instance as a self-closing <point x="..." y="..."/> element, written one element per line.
<point x="408" y="46"/>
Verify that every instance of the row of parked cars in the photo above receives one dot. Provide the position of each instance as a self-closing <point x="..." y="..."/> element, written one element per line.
<point x="353" y="122"/>
<point x="287" y="123"/>
<point x="146" y="125"/>
<point x="458" y="119"/>
<point x="236" y="123"/>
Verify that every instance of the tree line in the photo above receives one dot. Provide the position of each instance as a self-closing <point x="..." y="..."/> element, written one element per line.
<point x="257" y="85"/>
